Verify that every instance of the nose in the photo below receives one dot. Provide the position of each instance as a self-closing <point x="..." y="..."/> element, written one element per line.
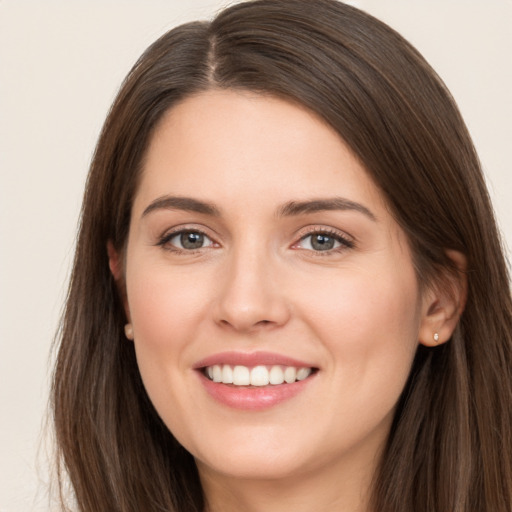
<point x="251" y="298"/>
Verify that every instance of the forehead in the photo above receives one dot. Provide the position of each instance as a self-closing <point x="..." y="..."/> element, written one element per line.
<point x="223" y="144"/>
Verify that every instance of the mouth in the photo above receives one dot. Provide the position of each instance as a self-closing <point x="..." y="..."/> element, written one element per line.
<point x="257" y="376"/>
<point x="254" y="381"/>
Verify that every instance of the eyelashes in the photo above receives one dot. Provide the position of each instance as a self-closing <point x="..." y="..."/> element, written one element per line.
<point x="316" y="240"/>
<point x="187" y="240"/>
<point x="324" y="241"/>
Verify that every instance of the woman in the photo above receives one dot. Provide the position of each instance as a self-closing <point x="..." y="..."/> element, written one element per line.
<point x="288" y="290"/>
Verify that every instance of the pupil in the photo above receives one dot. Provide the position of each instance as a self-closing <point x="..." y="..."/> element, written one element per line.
<point x="322" y="242"/>
<point x="192" y="240"/>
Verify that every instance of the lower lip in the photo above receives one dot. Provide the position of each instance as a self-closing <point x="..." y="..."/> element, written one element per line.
<point x="253" y="398"/>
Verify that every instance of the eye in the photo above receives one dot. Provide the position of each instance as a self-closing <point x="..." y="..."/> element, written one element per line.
<point x="321" y="241"/>
<point x="186" y="240"/>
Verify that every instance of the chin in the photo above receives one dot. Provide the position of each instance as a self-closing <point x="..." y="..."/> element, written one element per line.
<point x="257" y="465"/>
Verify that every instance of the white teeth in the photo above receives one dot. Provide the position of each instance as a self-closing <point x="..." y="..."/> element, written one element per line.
<point x="241" y="376"/>
<point x="290" y="374"/>
<point x="303" y="373"/>
<point x="227" y="374"/>
<point x="256" y="376"/>
<point x="217" y="373"/>
<point x="276" y="375"/>
<point x="259" y="376"/>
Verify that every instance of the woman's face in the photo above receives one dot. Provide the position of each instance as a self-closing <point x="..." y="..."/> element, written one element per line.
<point x="261" y="251"/>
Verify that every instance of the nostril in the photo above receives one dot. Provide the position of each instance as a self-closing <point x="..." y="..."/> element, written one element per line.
<point x="259" y="323"/>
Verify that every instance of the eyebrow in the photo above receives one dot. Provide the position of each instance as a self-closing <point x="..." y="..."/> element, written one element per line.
<point x="182" y="203"/>
<point x="289" y="209"/>
<point x="293" y="208"/>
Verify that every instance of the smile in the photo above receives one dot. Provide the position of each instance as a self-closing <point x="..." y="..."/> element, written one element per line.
<point x="255" y="381"/>
<point x="259" y="376"/>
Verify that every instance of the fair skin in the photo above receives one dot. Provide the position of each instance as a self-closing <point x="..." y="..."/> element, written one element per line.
<point x="284" y="248"/>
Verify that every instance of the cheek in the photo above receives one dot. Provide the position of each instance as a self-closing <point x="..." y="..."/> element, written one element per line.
<point x="369" y="327"/>
<point x="354" y="303"/>
<point x="167" y="311"/>
<point x="165" y="307"/>
<point x="369" y="323"/>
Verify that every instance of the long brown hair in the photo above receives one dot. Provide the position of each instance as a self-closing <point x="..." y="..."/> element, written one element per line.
<point x="450" y="446"/>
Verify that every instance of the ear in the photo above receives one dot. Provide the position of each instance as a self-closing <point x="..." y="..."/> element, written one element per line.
<point x="443" y="303"/>
<point x="115" y="263"/>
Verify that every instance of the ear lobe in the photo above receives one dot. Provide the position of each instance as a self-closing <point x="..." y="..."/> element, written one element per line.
<point x="443" y="303"/>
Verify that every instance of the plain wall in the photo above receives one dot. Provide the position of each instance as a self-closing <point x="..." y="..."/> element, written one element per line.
<point x="61" y="63"/>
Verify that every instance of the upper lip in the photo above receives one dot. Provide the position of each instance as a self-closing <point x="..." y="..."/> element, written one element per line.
<point x="251" y="359"/>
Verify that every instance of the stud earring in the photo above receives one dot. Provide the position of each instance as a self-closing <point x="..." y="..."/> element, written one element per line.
<point x="128" y="331"/>
<point x="436" y="337"/>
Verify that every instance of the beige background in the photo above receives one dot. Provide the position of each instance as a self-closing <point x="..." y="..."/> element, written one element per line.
<point x="61" y="63"/>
